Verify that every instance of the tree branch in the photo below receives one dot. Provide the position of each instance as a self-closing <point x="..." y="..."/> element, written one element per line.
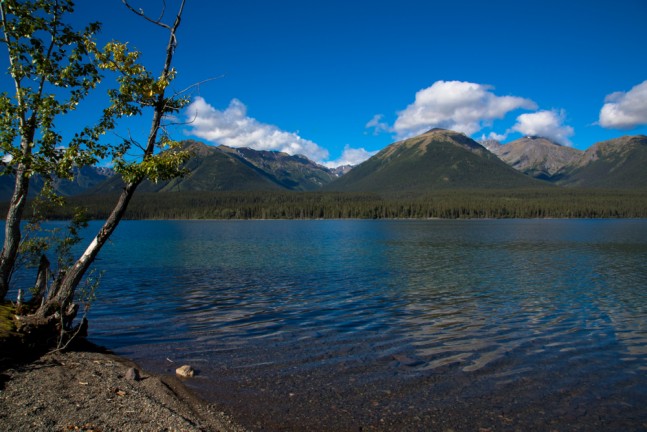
<point x="73" y="276"/>
<point x="199" y="83"/>
<point x="12" y="62"/>
<point x="141" y="13"/>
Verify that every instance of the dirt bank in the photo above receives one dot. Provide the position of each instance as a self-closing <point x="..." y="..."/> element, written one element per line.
<point x="87" y="390"/>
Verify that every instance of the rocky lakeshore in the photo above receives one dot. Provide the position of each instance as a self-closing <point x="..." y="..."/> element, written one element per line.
<point x="92" y="390"/>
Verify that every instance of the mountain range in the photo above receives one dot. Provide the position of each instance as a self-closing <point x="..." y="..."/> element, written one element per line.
<point x="84" y="179"/>
<point x="619" y="163"/>
<point x="229" y="169"/>
<point x="436" y="160"/>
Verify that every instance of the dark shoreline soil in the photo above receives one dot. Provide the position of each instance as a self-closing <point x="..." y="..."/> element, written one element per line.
<point x="86" y="389"/>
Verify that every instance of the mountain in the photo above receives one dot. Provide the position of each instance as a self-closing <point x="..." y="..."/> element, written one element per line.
<point x="619" y="163"/>
<point x="292" y="172"/>
<point x="341" y="170"/>
<point x="228" y="169"/>
<point x="84" y="179"/>
<point x="536" y="156"/>
<point x="209" y="169"/>
<point x="437" y="159"/>
<point x="490" y="144"/>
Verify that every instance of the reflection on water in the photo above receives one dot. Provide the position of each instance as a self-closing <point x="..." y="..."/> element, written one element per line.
<point x="394" y="325"/>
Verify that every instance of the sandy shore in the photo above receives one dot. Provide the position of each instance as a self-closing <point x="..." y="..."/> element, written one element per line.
<point x="87" y="390"/>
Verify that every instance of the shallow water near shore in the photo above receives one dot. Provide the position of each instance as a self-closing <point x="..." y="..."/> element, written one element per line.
<point x="390" y="325"/>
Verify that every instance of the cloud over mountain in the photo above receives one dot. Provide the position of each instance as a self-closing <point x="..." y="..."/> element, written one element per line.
<point x="234" y="128"/>
<point x="625" y="110"/>
<point x="456" y="105"/>
<point x="547" y="124"/>
<point x="351" y="156"/>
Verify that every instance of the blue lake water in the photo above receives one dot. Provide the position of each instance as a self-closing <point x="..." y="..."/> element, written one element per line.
<point x="389" y="325"/>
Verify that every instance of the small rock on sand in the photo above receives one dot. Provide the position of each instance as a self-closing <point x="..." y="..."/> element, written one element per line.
<point x="132" y="374"/>
<point x="185" y="371"/>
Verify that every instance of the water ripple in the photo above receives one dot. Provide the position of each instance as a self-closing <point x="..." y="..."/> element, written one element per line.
<point x="560" y="306"/>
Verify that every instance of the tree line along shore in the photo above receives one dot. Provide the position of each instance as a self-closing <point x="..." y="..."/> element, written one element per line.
<point x="444" y="204"/>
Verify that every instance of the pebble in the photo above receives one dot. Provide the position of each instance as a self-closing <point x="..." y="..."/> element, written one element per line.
<point x="132" y="374"/>
<point x="185" y="371"/>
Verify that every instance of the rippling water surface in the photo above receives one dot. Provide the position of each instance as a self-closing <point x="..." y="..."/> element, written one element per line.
<point x="390" y="325"/>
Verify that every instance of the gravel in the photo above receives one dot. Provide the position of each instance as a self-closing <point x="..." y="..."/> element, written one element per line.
<point x="89" y="391"/>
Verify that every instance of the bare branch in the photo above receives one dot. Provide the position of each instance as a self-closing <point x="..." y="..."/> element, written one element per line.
<point x="178" y="123"/>
<point x="177" y="93"/>
<point x="130" y="139"/>
<point x="163" y="10"/>
<point x="141" y="13"/>
<point x="198" y="84"/>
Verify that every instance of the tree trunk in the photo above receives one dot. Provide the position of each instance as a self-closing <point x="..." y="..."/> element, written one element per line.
<point x="55" y="317"/>
<point x="12" y="229"/>
<point x="64" y="291"/>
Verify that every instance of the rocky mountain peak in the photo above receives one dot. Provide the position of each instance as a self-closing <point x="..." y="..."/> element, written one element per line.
<point x="490" y="144"/>
<point x="537" y="156"/>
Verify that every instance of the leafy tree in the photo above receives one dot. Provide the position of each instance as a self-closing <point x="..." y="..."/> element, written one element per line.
<point x="54" y="67"/>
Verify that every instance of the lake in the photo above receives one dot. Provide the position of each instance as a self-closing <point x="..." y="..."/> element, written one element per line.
<point x="389" y="325"/>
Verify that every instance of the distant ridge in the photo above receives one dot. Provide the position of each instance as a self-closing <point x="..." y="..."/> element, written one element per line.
<point x="84" y="179"/>
<point x="620" y="163"/>
<point x="293" y="172"/>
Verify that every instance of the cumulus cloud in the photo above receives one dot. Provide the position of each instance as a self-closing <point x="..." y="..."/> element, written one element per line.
<point x="625" y="110"/>
<point x="234" y="128"/>
<point x="461" y="106"/>
<point x="350" y="156"/>
<point x="547" y="124"/>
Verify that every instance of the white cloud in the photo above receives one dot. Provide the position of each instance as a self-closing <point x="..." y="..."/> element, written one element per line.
<point x="377" y="124"/>
<point x="547" y="124"/>
<point x="625" y="110"/>
<point x="233" y="128"/>
<point x="494" y="136"/>
<point x="461" y="106"/>
<point x="350" y="156"/>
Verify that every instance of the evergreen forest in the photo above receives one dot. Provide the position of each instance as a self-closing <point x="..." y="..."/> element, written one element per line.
<point x="445" y="204"/>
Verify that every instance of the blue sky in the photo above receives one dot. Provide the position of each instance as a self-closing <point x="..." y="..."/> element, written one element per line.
<point x="338" y="80"/>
